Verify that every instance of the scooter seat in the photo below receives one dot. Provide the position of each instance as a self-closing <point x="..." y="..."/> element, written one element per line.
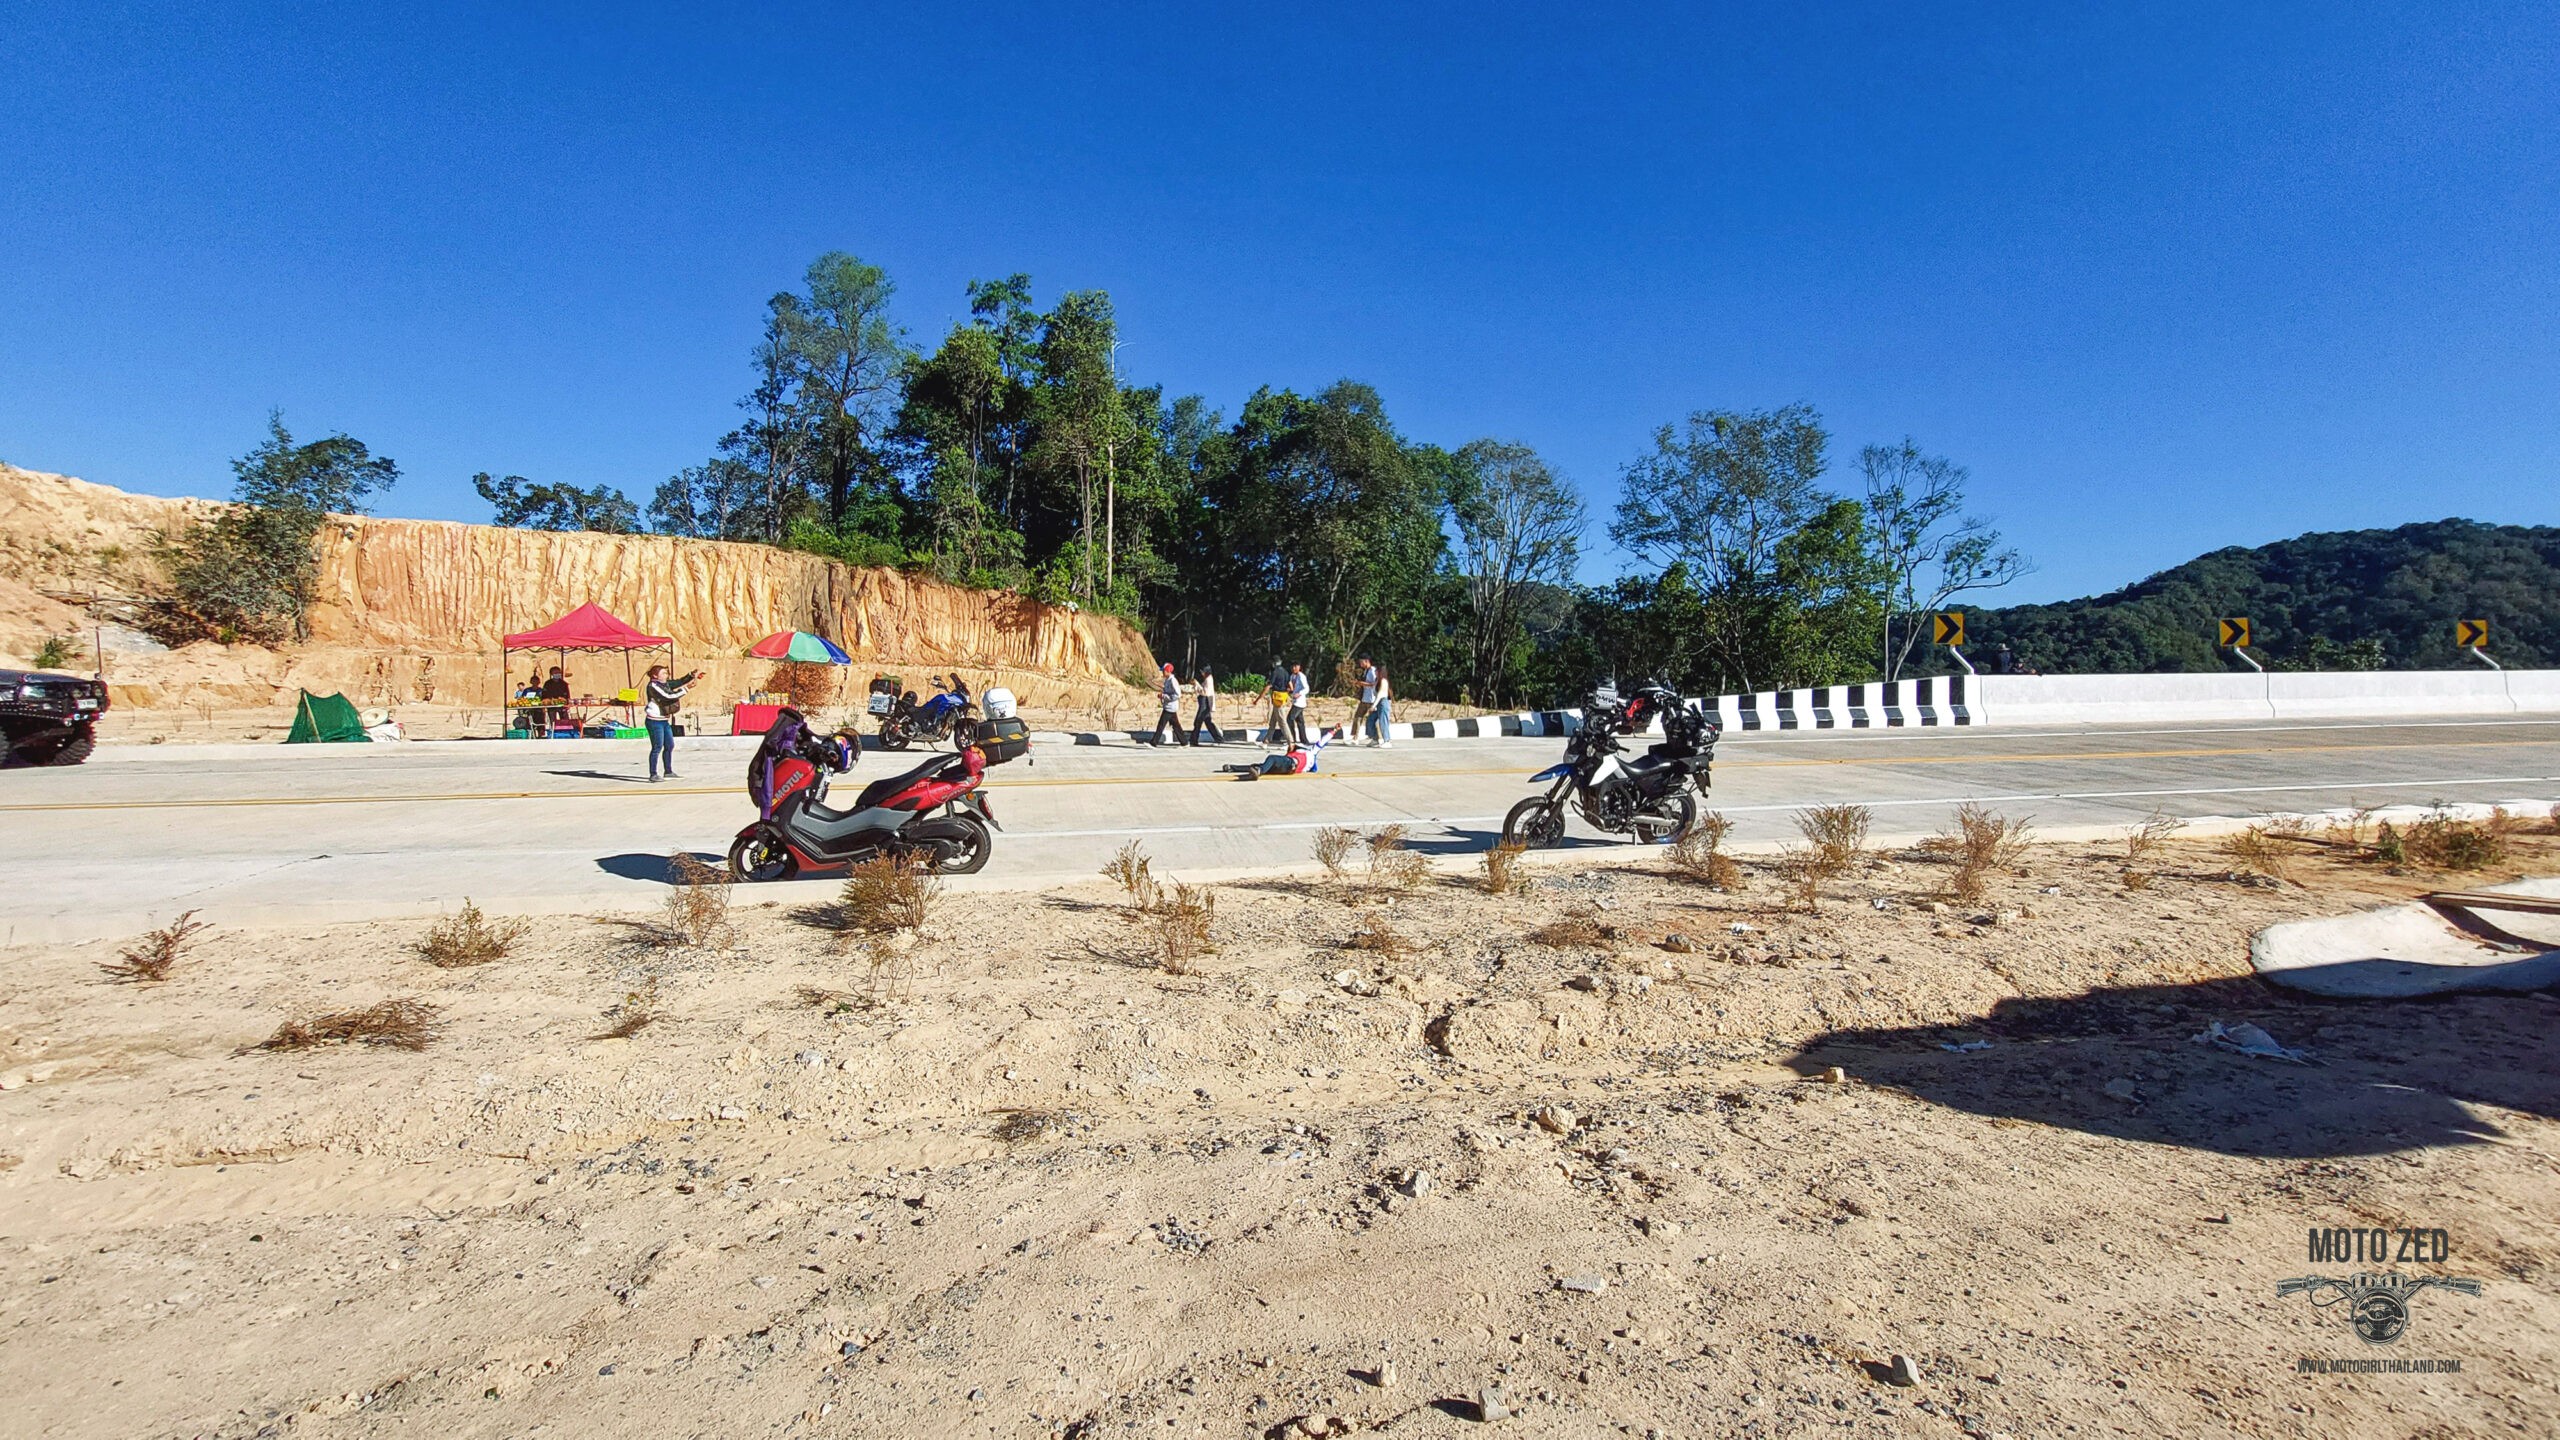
<point x="880" y="790"/>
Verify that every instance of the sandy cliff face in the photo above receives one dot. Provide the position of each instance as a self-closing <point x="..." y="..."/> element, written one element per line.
<point x="411" y="610"/>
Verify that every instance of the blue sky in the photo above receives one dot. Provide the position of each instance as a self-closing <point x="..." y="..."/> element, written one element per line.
<point x="2168" y="280"/>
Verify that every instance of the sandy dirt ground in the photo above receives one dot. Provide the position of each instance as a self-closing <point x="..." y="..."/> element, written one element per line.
<point x="1015" y="1179"/>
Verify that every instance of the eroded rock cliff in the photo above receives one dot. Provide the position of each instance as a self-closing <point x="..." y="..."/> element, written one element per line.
<point x="413" y="610"/>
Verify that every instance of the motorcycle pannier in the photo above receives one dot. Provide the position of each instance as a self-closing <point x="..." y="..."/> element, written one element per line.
<point x="884" y="694"/>
<point x="1686" y="733"/>
<point x="1002" y="740"/>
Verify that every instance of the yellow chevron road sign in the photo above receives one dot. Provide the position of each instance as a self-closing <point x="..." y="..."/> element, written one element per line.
<point x="2235" y="632"/>
<point x="2470" y="634"/>
<point x="1947" y="628"/>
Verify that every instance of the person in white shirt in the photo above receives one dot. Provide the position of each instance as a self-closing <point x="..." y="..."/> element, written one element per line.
<point x="1383" y="717"/>
<point x="1169" y="719"/>
<point x="1298" y="703"/>
<point x="665" y="698"/>
<point x="1204" y="715"/>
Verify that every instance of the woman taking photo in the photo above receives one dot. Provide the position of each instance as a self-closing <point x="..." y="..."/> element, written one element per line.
<point x="665" y="697"/>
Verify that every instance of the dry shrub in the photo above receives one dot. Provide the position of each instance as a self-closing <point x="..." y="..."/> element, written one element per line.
<point x="1377" y="937"/>
<point x="1503" y="872"/>
<point x="811" y="685"/>
<point x="1129" y="869"/>
<point x="1105" y="707"/>
<point x="158" y="952"/>
<point x="2255" y="851"/>
<point x="466" y="938"/>
<point x="1699" y="854"/>
<point x="2439" y="841"/>
<point x="2348" y="830"/>
<point x="637" y="1012"/>
<point x="2388" y="847"/>
<point x="2554" y="825"/>
<point x="1983" y="843"/>
<point x="1838" y="833"/>
<point x="400" y="1024"/>
<point x="1020" y="1126"/>
<point x="1182" y="927"/>
<point x="1803" y="870"/>
<point x="2148" y="835"/>
<point x="889" y="893"/>
<point x="698" y="905"/>
<point x="2137" y="879"/>
<point x="1573" y="932"/>
<point x="1333" y="847"/>
<point x="2296" y="828"/>
<point x="1391" y="865"/>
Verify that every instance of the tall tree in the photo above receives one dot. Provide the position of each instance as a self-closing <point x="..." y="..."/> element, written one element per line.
<point x="1930" y="550"/>
<point x="846" y="357"/>
<point x="1718" y="496"/>
<point x="1518" y="525"/>
<point x="247" y="572"/>
<point x="1081" y="420"/>
<point x="719" y="500"/>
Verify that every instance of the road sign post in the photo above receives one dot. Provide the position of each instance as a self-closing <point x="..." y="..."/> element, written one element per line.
<point x="2233" y="632"/>
<point x="2472" y="638"/>
<point x="1946" y="627"/>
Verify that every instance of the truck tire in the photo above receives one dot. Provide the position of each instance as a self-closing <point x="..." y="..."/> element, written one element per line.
<point x="68" y="749"/>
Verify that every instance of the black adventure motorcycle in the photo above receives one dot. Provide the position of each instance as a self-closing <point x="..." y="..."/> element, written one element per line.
<point x="1653" y="796"/>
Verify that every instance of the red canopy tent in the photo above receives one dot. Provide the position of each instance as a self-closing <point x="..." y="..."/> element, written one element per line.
<point x="590" y="627"/>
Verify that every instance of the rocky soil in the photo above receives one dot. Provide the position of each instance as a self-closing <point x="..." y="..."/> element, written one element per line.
<point x="1619" y="1156"/>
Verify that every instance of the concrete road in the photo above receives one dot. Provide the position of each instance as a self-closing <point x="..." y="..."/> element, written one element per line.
<point x="325" y="833"/>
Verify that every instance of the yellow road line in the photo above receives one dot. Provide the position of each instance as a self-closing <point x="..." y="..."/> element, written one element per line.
<point x="636" y="791"/>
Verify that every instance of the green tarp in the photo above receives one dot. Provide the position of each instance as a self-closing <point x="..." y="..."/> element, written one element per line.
<point x="324" y="718"/>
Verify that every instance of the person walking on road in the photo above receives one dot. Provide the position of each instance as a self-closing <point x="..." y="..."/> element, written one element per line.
<point x="1275" y="731"/>
<point x="664" y="699"/>
<point x="1382" y="713"/>
<point x="1169" y="719"/>
<point x="1204" y="716"/>
<point x="1298" y="704"/>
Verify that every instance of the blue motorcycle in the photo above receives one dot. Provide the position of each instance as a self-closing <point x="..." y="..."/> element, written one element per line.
<point x="944" y="717"/>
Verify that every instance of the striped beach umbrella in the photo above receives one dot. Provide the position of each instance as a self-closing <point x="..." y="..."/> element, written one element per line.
<point x="799" y="645"/>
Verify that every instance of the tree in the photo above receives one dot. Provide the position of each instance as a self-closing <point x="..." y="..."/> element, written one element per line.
<point x="1518" y="524"/>
<point x="1930" y="550"/>
<point x="1082" y="423"/>
<point x="947" y="422"/>
<point x="720" y="500"/>
<point x="247" y="572"/>
<point x="1717" y="497"/>
<point x="844" y="357"/>
<point x="521" y="503"/>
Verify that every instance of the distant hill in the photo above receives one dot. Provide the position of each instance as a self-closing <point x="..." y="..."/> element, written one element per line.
<point x="2312" y="601"/>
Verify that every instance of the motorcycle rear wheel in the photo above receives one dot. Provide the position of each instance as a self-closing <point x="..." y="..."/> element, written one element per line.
<point x="1536" y="822"/>
<point x="1684" y="809"/>
<point x="894" y="735"/>
<point x="761" y="857"/>
<point x="969" y="840"/>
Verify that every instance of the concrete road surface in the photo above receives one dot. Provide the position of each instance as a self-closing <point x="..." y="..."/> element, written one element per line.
<point x="330" y="833"/>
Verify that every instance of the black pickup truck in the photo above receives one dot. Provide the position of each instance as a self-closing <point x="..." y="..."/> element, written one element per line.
<point x="49" y="719"/>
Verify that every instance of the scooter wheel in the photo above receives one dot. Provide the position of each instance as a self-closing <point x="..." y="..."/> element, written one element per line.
<point x="761" y="857"/>
<point x="966" y="852"/>
<point x="1536" y="823"/>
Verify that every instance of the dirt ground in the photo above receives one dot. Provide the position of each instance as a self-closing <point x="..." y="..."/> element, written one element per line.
<point x="1014" y="1179"/>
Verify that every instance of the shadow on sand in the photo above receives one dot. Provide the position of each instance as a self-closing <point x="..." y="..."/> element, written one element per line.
<point x="2391" y="1075"/>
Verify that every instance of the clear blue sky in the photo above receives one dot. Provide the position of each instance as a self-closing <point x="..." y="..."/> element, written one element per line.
<point x="2168" y="280"/>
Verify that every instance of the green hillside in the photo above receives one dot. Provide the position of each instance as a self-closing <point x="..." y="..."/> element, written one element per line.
<point x="2315" y="601"/>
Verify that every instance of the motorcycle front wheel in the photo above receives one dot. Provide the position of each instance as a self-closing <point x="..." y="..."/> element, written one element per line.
<point x="760" y="857"/>
<point x="1536" y="822"/>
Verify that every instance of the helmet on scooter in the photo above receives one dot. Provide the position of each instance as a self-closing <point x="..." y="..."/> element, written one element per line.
<point x="998" y="703"/>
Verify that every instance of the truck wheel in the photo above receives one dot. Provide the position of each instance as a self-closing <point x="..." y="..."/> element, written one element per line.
<point x="63" y="750"/>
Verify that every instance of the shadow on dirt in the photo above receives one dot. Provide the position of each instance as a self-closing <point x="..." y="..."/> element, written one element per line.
<point x="2388" y="1075"/>
<point x="653" y="868"/>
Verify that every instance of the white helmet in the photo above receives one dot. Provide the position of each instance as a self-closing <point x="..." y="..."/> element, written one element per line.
<point x="998" y="703"/>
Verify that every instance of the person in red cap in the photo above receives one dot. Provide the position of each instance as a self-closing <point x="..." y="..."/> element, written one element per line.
<point x="1169" y="720"/>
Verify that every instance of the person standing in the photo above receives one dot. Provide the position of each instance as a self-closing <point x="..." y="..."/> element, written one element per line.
<point x="1204" y="715"/>
<point x="1382" y="717"/>
<point x="1298" y="704"/>
<point x="1275" y="731"/>
<point x="1368" y="698"/>
<point x="1169" y="718"/>
<point x="665" y="697"/>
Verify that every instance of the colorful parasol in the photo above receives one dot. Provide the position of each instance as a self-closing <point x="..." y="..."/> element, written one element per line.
<point x="799" y="645"/>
